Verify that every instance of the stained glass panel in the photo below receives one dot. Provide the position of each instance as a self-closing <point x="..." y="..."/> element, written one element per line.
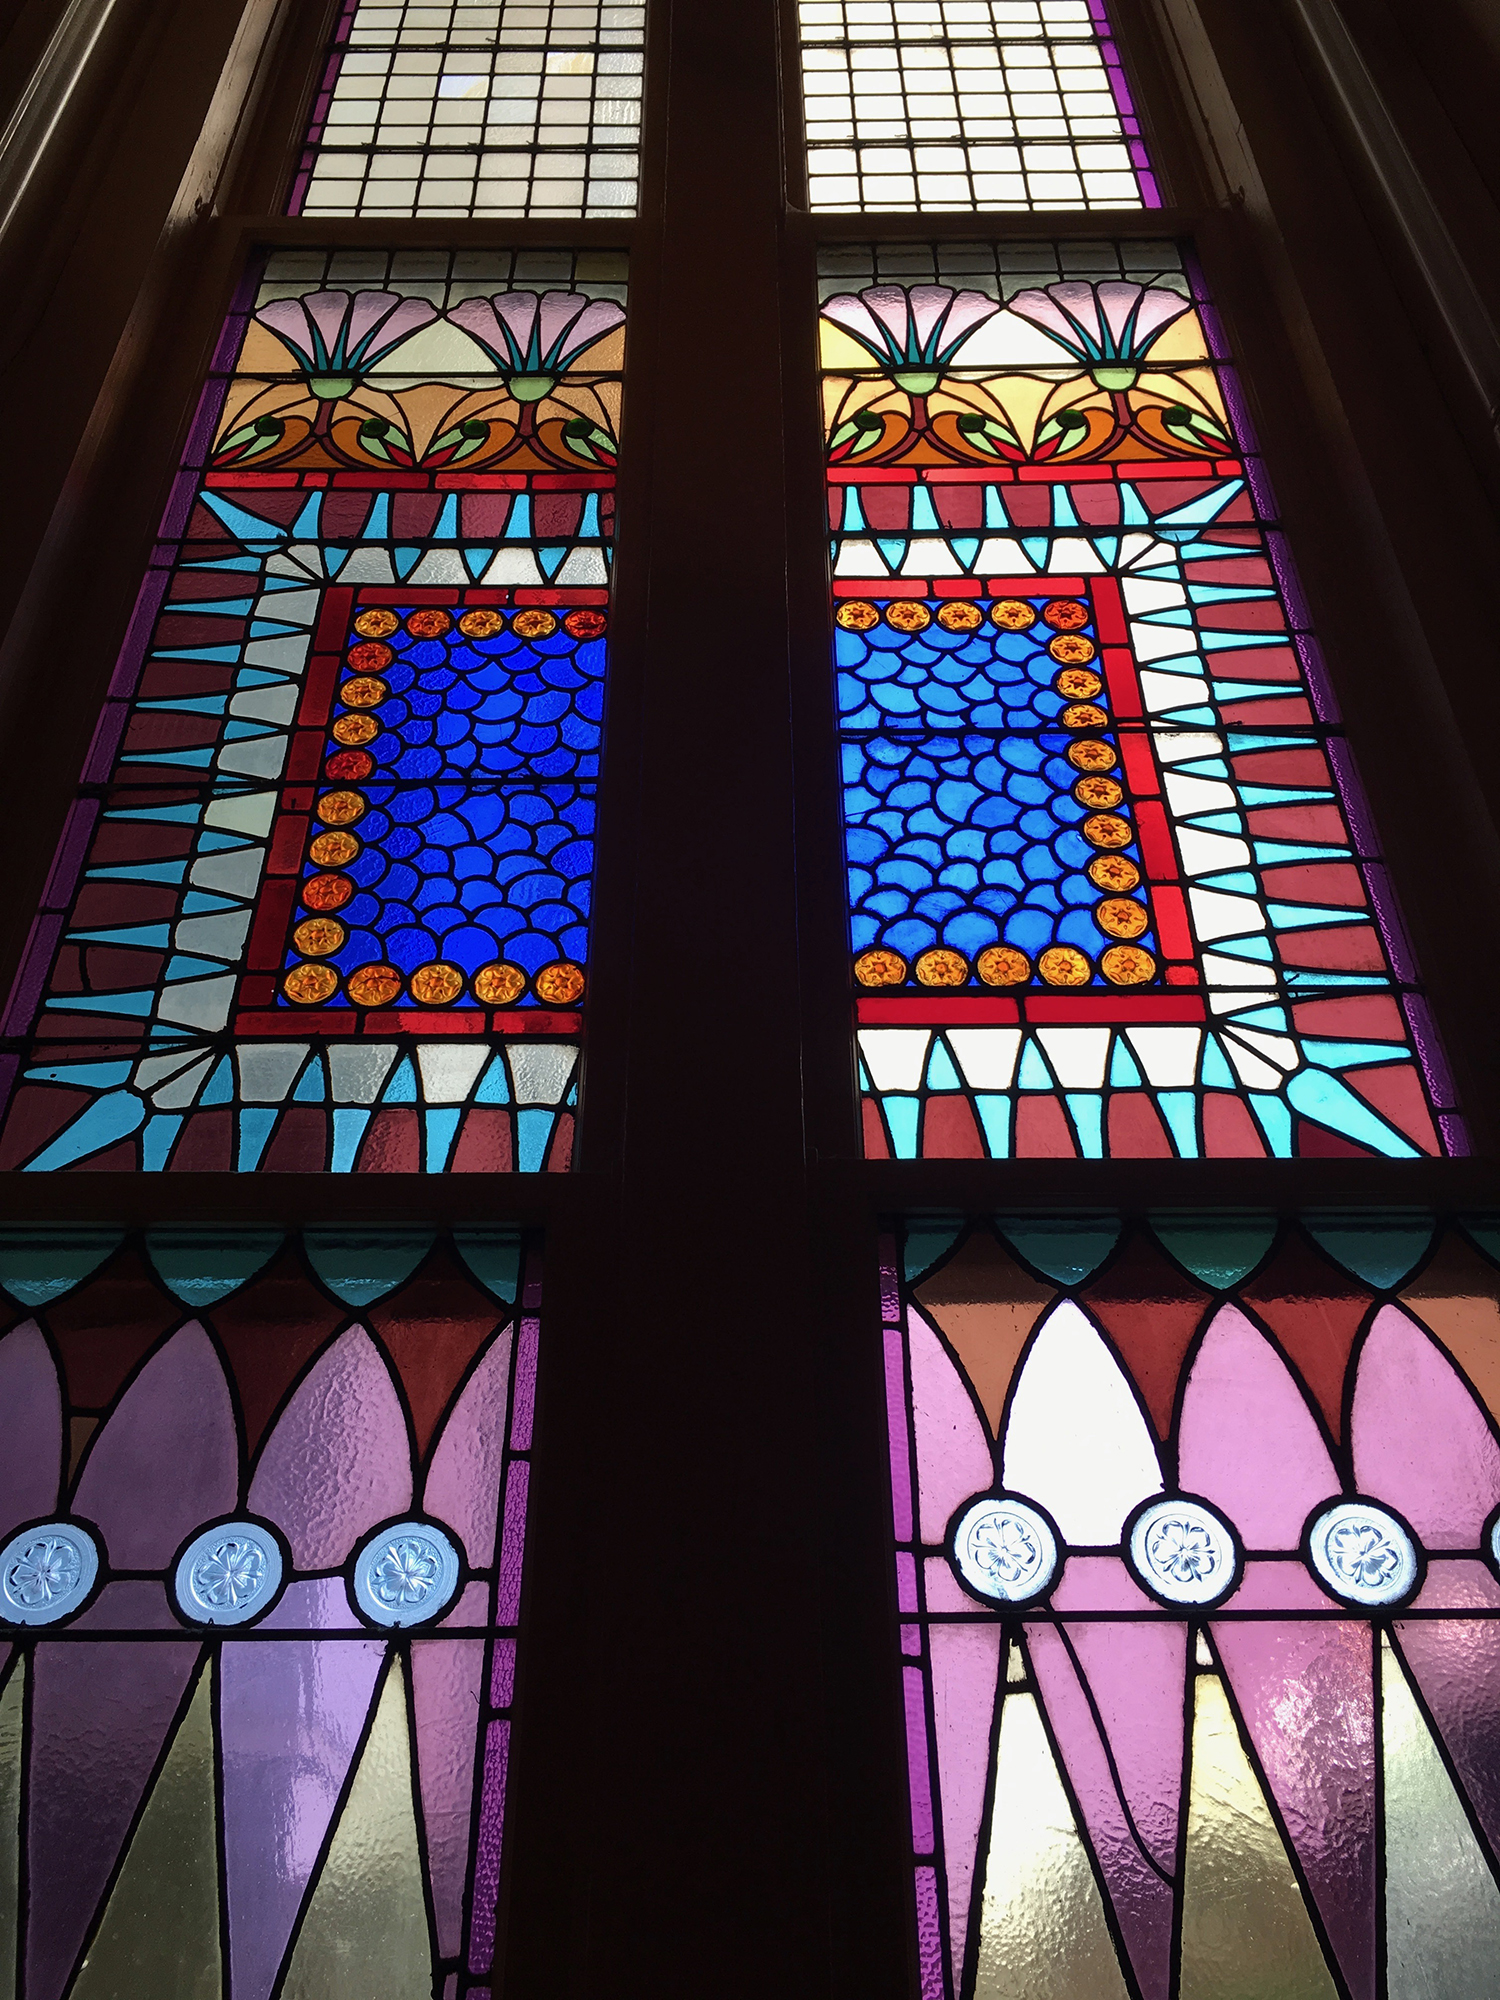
<point x="527" y="107"/>
<point x="1113" y="890"/>
<point x="255" y="1717"/>
<point x="323" y="901"/>
<point x="955" y="104"/>
<point x="1200" y="1635"/>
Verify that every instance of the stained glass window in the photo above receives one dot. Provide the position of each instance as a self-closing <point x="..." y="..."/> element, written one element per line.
<point x="255" y="1717"/>
<point x="1199" y="1632"/>
<point x="982" y="104"/>
<point x="1113" y="889"/>
<point x="515" y="109"/>
<point x="323" y="901"/>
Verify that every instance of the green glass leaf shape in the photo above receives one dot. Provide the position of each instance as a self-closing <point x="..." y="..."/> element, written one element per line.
<point x="1381" y="1249"/>
<point x="202" y="1266"/>
<point x="928" y="1245"/>
<point x="39" y="1264"/>
<point x="362" y="1265"/>
<point x="494" y="1258"/>
<point x="1065" y="1248"/>
<point x="1219" y="1249"/>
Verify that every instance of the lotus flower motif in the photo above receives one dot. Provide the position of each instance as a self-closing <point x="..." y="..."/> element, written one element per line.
<point x="912" y="334"/>
<point x="533" y="341"/>
<point x="338" y="338"/>
<point x="1109" y="327"/>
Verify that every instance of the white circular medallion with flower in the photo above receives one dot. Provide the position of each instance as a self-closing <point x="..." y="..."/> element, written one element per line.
<point x="1005" y="1550"/>
<point x="46" y="1573"/>
<point x="229" y="1574"/>
<point x="406" y="1574"/>
<point x="1362" y="1554"/>
<point x="1182" y="1551"/>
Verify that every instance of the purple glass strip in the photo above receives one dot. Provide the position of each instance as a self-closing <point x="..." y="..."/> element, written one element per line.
<point x="513" y="1543"/>
<point x="1455" y="1135"/>
<point x="138" y="633"/>
<point x="1356" y="807"/>
<point x="1383" y="900"/>
<point x="62" y="876"/>
<point x="36" y="961"/>
<point x="929" y="1934"/>
<point x="107" y="733"/>
<point x="890" y="1284"/>
<point x="1429" y="1049"/>
<point x="531" y="1294"/>
<point x="895" y="1402"/>
<point x="916" y="1758"/>
<point x="911" y="1641"/>
<point x="503" y="1674"/>
<point x="906" y="1581"/>
<point x="487" y="1855"/>
<point x="9" y="1065"/>
<point x="176" y="513"/>
<point x="525" y="1395"/>
<point x="1315" y="673"/>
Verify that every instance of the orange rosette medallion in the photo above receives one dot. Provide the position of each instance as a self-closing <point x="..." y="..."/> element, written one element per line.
<point x="880" y="968"/>
<point x="942" y="967"/>
<point x="559" y="984"/>
<point x="1003" y="965"/>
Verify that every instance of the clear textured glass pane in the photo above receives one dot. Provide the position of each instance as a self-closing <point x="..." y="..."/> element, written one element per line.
<point x="966" y="73"/>
<point x="439" y="90"/>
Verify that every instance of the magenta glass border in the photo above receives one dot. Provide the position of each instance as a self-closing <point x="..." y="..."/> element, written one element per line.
<point x="318" y="119"/>
<point x="1130" y="124"/>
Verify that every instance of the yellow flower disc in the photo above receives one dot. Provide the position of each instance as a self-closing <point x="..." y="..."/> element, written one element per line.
<point x="310" y="985"/>
<point x="1127" y="965"/>
<point x="857" y="614"/>
<point x="376" y="624"/>
<point x="1061" y="965"/>
<point x="1089" y="754"/>
<point x="1122" y="917"/>
<point x="316" y="937"/>
<point x="1099" y="792"/>
<point x="436" y="984"/>
<point x="333" y="850"/>
<point x="960" y="616"/>
<point x="1083" y="715"/>
<point x="374" y="985"/>
<point x="1115" y="872"/>
<point x="340" y="808"/>
<point x="1071" y="649"/>
<point x="1066" y="614"/>
<point x="1077" y="683"/>
<point x="908" y="614"/>
<point x="498" y="985"/>
<point x="1013" y="614"/>
<point x="481" y="624"/>
<point x="364" y="691"/>
<point x="533" y="624"/>
<point x="560" y="984"/>
<point x="880" y="968"/>
<point x="353" y="730"/>
<point x="1003" y="965"/>
<point x="1106" y="830"/>
<point x="941" y="967"/>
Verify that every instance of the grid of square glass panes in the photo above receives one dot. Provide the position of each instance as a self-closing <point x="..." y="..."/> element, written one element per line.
<point x="952" y="104"/>
<point x="514" y="109"/>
